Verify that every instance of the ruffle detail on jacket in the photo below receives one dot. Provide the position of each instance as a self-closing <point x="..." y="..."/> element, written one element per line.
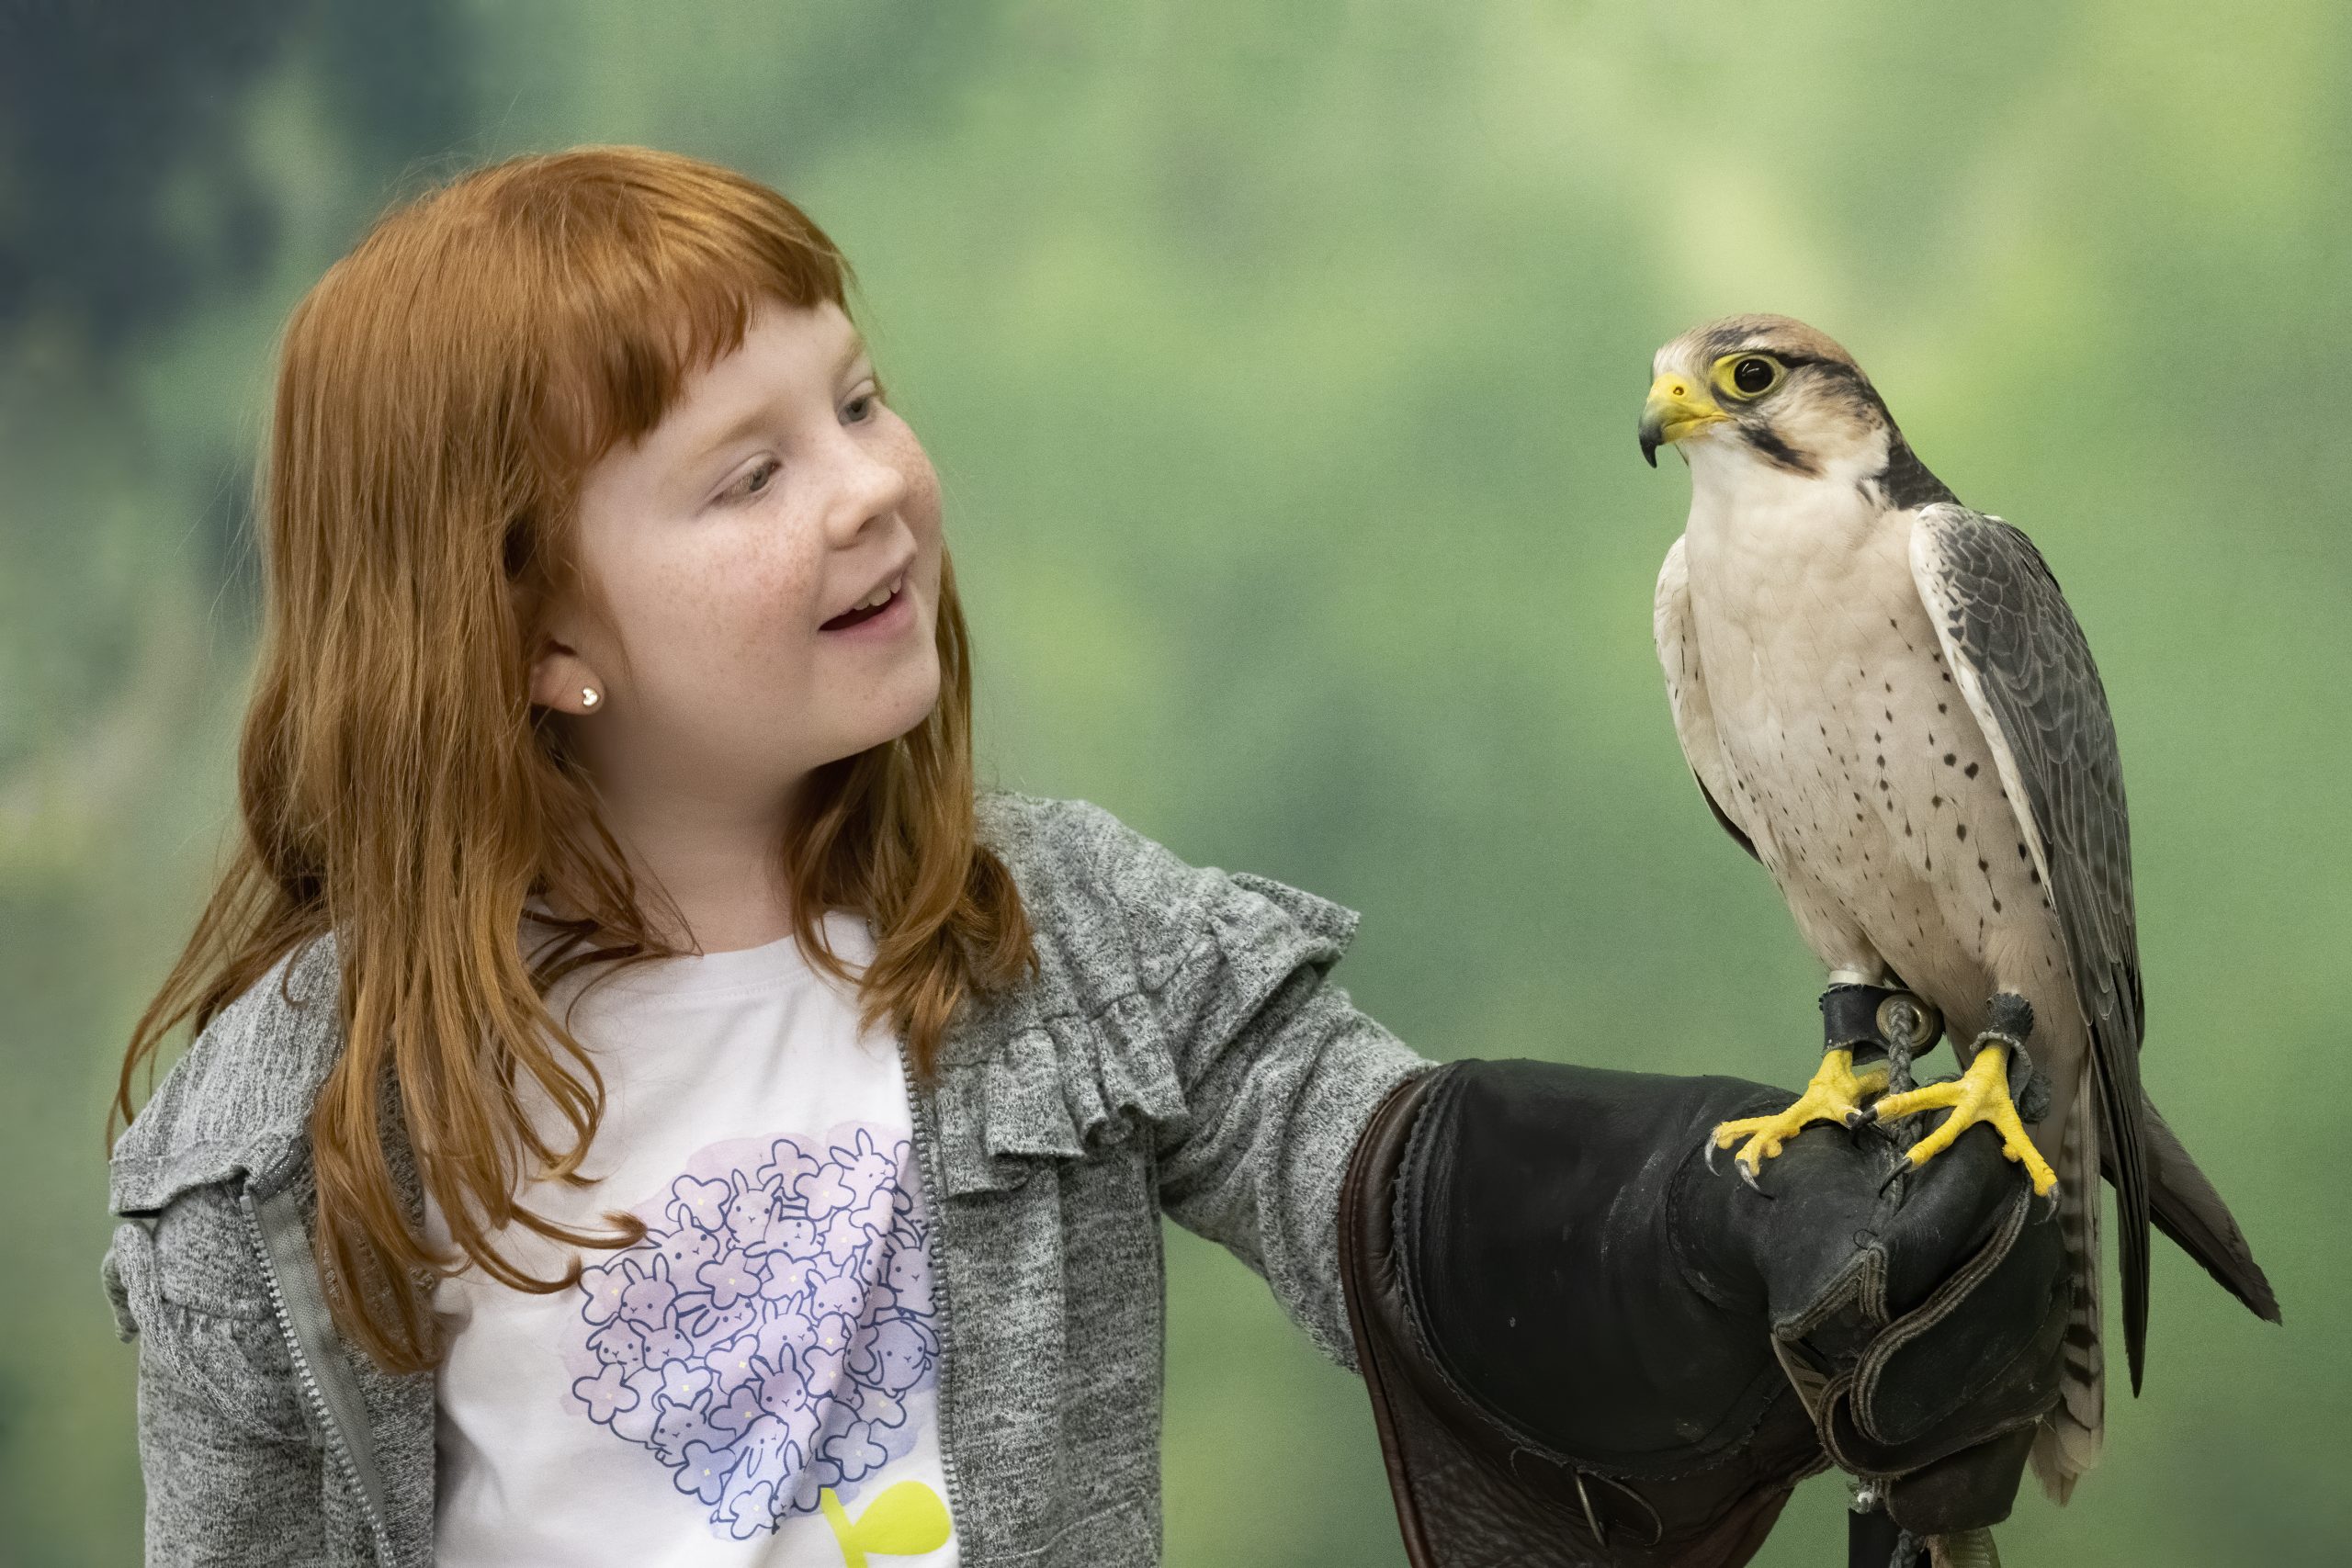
<point x="1073" y="1084"/>
<point x="239" y="1101"/>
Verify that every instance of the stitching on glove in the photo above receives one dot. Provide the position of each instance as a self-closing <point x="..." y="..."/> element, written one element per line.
<point x="1938" y="1306"/>
<point x="1862" y="1283"/>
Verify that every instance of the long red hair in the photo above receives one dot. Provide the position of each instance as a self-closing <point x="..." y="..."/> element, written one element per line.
<point x="440" y="393"/>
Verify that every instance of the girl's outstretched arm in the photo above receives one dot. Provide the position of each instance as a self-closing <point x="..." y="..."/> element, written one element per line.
<point x="1279" y="1071"/>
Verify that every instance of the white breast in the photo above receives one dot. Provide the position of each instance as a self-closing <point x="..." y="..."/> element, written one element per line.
<point x="1863" y="780"/>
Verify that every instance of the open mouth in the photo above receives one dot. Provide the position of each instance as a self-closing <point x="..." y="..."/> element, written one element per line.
<point x="865" y="612"/>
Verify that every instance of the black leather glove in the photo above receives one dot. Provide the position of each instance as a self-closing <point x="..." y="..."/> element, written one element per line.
<point x="1585" y="1347"/>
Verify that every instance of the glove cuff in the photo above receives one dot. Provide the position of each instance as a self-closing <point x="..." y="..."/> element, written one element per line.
<point x="1473" y="1487"/>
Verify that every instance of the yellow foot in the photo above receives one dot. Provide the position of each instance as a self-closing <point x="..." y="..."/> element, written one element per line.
<point x="1982" y="1094"/>
<point x="1833" y="1094"/>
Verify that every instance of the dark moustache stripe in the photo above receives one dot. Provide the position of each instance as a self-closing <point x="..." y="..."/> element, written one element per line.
<point x="1774" y="450"/>
<point x="1905" y="482"/>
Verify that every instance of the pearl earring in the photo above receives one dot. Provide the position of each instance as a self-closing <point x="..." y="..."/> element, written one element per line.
<point x="588" y="696"/>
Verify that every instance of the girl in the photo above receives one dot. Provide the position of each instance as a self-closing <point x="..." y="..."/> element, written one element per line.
<point x="613" y="871"/>
<point x="646" y="1104"/>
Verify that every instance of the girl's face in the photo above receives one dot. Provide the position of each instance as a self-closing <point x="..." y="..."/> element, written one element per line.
<point x="729" y="544"/>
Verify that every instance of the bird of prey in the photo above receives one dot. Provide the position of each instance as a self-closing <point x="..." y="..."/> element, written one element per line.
<point x="1886" y="701"/>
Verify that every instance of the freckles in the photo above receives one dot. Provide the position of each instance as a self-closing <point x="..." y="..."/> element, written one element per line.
<point x="922" y="489"/>
<point x="721" y="611"/>
<point x="761" y="594"/>
<point x="920" y="513"/>
<point x="921" y="502"/>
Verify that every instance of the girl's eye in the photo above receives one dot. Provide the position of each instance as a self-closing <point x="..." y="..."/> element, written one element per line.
<point x="860" y="408"/>
<point x="755" y="481"/>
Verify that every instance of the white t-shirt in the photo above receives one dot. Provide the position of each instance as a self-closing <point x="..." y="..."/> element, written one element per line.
<point x="756" y="1382"/>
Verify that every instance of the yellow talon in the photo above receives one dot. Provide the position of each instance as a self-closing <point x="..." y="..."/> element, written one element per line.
<point x="1982" y="1094"/>
<point x="1833" y="1094"/>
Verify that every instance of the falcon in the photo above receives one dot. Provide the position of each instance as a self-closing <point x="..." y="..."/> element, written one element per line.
<point x="1887" y="703"/>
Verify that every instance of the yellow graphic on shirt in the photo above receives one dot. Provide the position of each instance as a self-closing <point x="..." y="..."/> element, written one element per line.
<point x="905" y="1521"/>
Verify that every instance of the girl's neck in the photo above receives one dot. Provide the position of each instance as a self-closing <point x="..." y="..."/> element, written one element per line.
<point x="707" y="880"/>
<point x="710" y="924"/>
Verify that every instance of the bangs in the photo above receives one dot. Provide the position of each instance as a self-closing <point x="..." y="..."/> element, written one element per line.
<point x="658" y="262"/>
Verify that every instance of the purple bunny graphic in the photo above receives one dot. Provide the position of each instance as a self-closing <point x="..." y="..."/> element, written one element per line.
<point x="762" y="1342"/>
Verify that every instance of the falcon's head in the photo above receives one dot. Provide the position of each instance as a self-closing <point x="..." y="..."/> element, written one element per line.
<point x="1773" y="391"/>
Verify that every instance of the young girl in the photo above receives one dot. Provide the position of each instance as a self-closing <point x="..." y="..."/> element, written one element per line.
<point x="645" y="1106"/>
<point x="613" y="871"/>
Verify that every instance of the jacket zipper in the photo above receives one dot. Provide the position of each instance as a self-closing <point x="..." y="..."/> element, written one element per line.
<point x="935" y="1197"/>
<point x="292" y="1272"/>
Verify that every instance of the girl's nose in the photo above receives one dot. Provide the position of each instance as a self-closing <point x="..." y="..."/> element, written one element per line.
<point x="865" y="487"/>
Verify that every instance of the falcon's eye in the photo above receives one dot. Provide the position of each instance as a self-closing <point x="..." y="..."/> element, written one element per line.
<point x="1748" y="375"/>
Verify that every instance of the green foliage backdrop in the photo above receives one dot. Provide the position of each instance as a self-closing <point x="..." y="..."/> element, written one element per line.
<point x="1282" y="363"/>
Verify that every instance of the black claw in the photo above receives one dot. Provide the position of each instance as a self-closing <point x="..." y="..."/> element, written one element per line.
<point x="1749" y="1175"/>
<point x="1901" y="1168"/>
<point x="2049" y="1198"/>
<point x="1707" y="1143"/>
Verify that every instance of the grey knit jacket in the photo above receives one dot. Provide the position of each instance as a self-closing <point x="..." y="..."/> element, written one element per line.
<point x="1181" y="1052"/>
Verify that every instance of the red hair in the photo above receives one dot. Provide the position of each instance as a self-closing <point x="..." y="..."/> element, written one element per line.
<point x="440" y="393"/>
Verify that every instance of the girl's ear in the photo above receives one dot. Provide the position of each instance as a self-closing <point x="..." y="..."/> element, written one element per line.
<point x="561" y="680"/>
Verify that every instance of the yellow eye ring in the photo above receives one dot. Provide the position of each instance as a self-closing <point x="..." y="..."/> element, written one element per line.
<point x="1746" y="375"/>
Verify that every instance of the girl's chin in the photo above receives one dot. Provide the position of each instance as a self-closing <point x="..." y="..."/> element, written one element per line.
<point x="893" y="714"/>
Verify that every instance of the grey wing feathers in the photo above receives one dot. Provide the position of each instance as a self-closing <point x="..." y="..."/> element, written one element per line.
<point x="2021" y="661"/>
<point x="1686" y="693"/>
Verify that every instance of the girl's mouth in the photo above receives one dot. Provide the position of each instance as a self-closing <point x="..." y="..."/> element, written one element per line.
<point x="863" y="614"/>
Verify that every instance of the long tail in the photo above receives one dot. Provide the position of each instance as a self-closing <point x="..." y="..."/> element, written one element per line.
<point x="2185" y="1207"/>
<point x="2068" y="1443"/>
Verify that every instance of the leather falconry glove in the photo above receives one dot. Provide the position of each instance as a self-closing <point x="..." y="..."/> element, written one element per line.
<point x="1584" y="1347"/>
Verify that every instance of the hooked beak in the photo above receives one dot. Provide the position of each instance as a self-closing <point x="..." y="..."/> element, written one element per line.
<point x="1678" y="405"/>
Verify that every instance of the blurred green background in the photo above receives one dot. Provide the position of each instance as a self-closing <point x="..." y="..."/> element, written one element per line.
<point x="1282" y="363"/>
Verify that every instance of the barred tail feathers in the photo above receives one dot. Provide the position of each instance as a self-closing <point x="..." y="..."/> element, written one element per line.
<point x="2068" y="1443"/>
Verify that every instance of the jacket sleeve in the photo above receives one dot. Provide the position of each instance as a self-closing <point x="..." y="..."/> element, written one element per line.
<point x="1279" y="1072"/>
<point x="231" y="1465"/>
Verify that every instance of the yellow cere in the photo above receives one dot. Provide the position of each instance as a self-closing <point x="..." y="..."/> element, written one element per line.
<point x="1677" y="406"/>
